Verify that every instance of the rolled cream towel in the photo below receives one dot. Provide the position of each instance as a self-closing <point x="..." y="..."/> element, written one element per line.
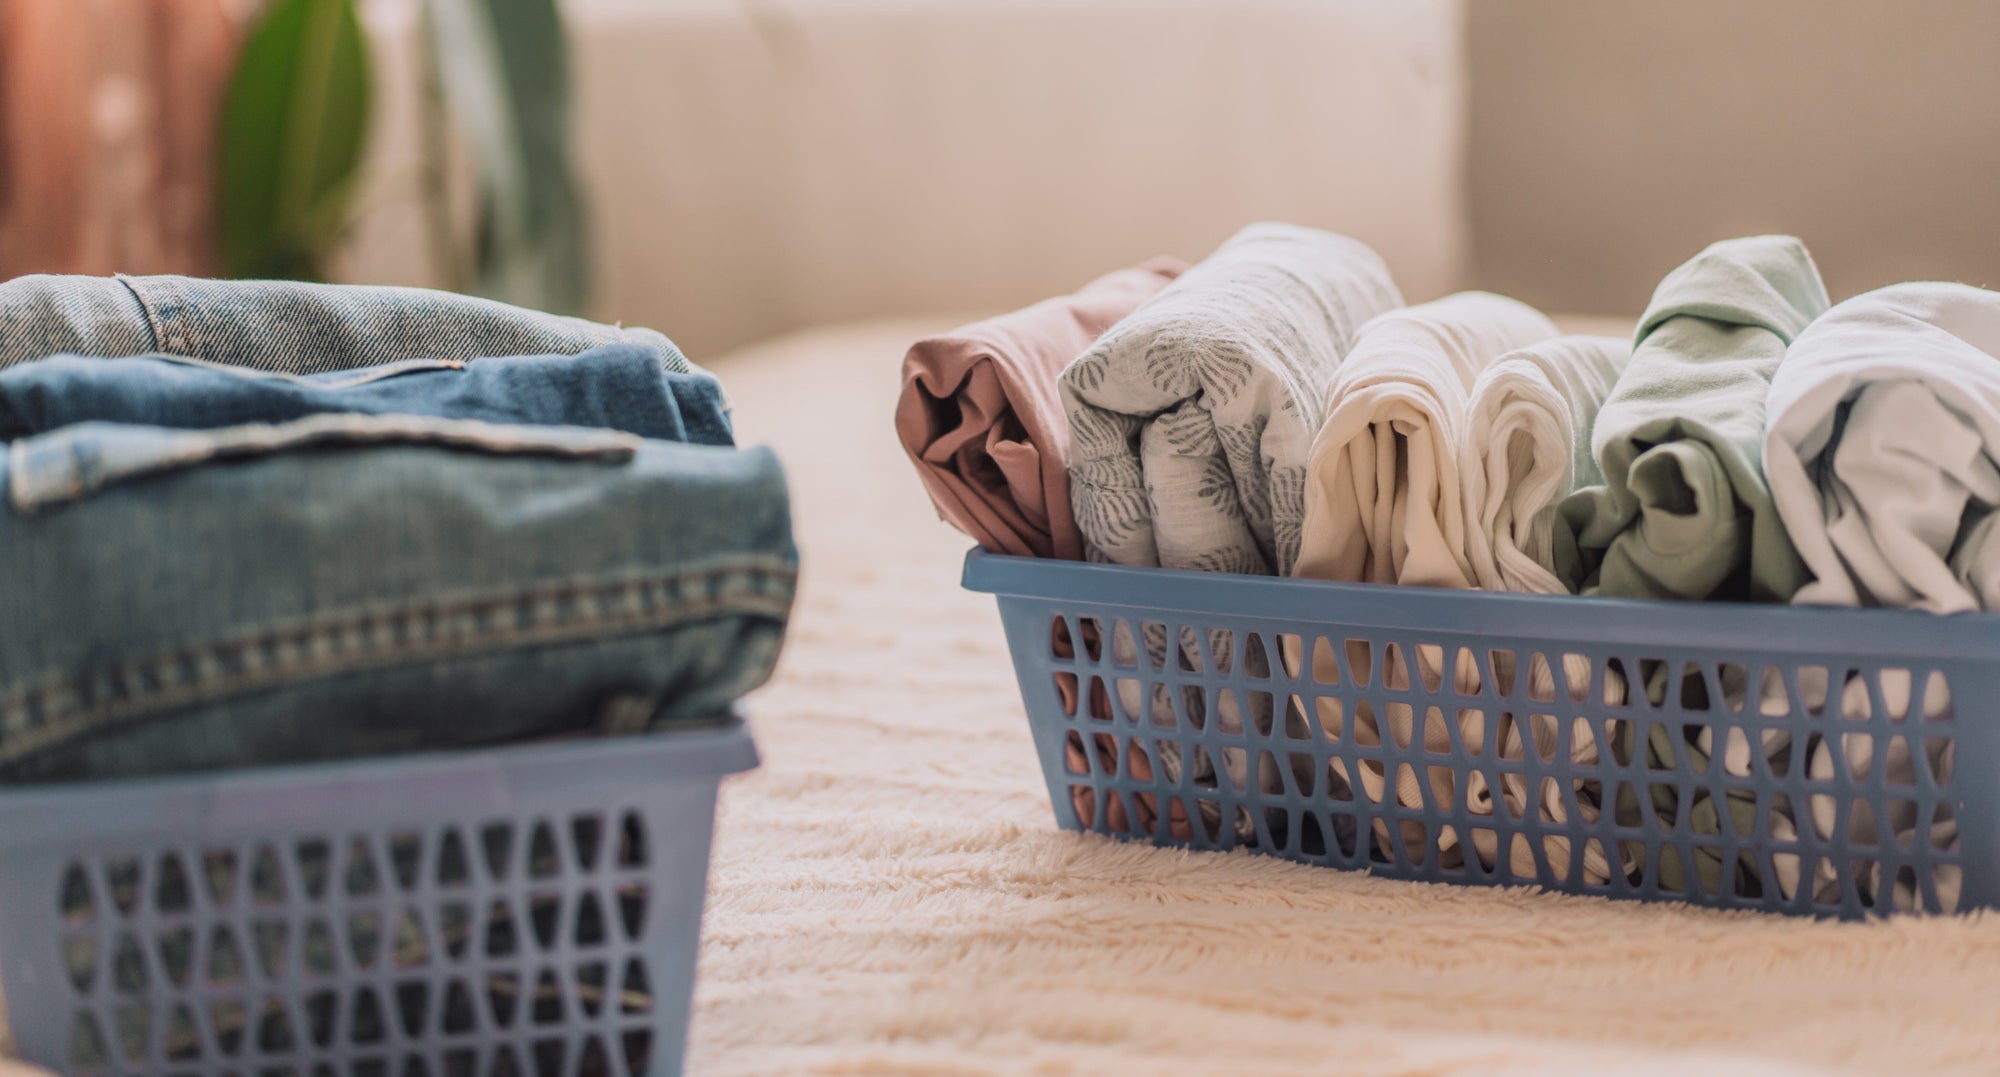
<point x="1191" y="419"/>
<point x="1526" y="447"/>
<point x="1383" y="506"/>
<point x="1684" y="511"/>
<point x="981" y="419"/>
<point x="1883" y="449"/>
<point x="1383" y="503"/>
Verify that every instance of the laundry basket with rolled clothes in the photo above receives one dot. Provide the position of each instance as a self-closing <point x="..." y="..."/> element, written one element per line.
<point x="1574" y="810"/>
<point x="1277" y="409"/>
<point x="364" y="710"/>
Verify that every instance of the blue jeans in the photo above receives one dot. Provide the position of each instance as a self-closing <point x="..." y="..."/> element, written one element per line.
<point x="619" y="387"/>
<point x="286" y="327"/>
<point x="346" y="585"/>
<point x="207" y="567"/>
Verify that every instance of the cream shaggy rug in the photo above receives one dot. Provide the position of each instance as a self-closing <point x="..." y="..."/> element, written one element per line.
<point x="890" y="895"/>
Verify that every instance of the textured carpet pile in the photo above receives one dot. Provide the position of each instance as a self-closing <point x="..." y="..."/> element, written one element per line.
<point x="889" y="893"/>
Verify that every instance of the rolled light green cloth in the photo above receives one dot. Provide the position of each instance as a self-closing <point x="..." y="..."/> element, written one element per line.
<point x="1684" y="511"/>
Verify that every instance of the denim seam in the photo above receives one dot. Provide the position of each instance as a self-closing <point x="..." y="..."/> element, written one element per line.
<point x="158" y="321"/>
<point x="68" y="705"/>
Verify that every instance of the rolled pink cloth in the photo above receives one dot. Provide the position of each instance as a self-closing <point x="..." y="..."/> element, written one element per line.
<point x="982" y="422"/>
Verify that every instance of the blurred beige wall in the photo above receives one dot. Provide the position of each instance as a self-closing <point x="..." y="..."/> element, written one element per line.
<point x="1611" y="140"/>
<point x="754" y="166"/>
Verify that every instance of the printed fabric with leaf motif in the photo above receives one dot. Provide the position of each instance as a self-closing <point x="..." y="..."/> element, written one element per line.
<point x="1191" y="419"/>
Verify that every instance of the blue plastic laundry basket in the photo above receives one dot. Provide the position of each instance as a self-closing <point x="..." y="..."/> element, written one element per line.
<point x="1453" y="736"/>
<point x="530" y="910"/>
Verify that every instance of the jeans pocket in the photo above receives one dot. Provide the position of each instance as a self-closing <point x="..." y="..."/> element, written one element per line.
<point x="78" y="461"/>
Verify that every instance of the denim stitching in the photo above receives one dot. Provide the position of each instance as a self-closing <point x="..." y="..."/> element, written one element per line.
<point x="155" y="322"/>
<point x="56" y="468"/>
<point x="70" y="705"/>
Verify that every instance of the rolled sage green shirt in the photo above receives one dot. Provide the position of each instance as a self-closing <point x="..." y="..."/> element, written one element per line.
<point x="1684" y="510"/>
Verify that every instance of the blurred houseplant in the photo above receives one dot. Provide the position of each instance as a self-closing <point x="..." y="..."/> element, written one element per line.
<point x="495" y="75"/>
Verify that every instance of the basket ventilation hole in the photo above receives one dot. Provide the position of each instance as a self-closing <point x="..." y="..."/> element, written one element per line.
<point x="454" y="868"/>
<point x="1124" y="648"/>
<point x="87" y="1050"/>
<point x="586" y="833"/>
<point x="176" y="946"/>
<point x="314" y="857"/>
<point x="319" y="948"/>
<point x="544" y="916"/>
<point x="637" y="1045"/>
<point x="122" y="879"/>
<point x="548" y="1009"/>
<point x="503" y="993"/>
<point x="457" y="1012"/>
<point x="461" y="1062"/>
<point x="635" y="996"/>
<point x="322" y="1009"/>
<point x="502" y="939"/>
<point x="632" y="848"/>
<point x="592" y="979"/>
<point x="548" y="1056"/>
<point x="406" y="857"/>
<point x="497" y="841"/>
<point x="543" y="860"/>
<point x="80" y="958"/>
<point x="228" y="1019"/>
<point x="632" y="909"/>
<point x="75" y="900"/>
<point x="410" y="947"/>
<point x="269" y="938"/>
<point x="171" y="891"/>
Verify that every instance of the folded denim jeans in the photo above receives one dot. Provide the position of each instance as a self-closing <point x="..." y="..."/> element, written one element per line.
<point x="285" y="326"/>
<point x="619" y="387"/>
<point x="346" y="585"/>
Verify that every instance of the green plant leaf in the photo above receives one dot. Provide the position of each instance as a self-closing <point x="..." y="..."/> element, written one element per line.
<point x="294" y="121"/>
<point x="504" y="67"/>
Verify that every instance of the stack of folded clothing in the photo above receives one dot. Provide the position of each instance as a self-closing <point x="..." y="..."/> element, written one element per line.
<point x="247" y="523"/>
<point x="1276" y="410"/>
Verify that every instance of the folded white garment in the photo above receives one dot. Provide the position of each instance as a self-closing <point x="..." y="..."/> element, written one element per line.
<point x="1191" y="419"/>
<point x="1382" y="505"/>
<point x="1883" y="449"/>
<point x="1526" y="447"/>
<point x="1382" y="496"/>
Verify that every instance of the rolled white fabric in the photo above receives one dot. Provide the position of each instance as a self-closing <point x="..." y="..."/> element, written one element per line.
<point x="1526" y="447"/>
<point x="1383" y="505"/>
<point x="1882" y="448"/>
<point x="1382" y="498"/>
